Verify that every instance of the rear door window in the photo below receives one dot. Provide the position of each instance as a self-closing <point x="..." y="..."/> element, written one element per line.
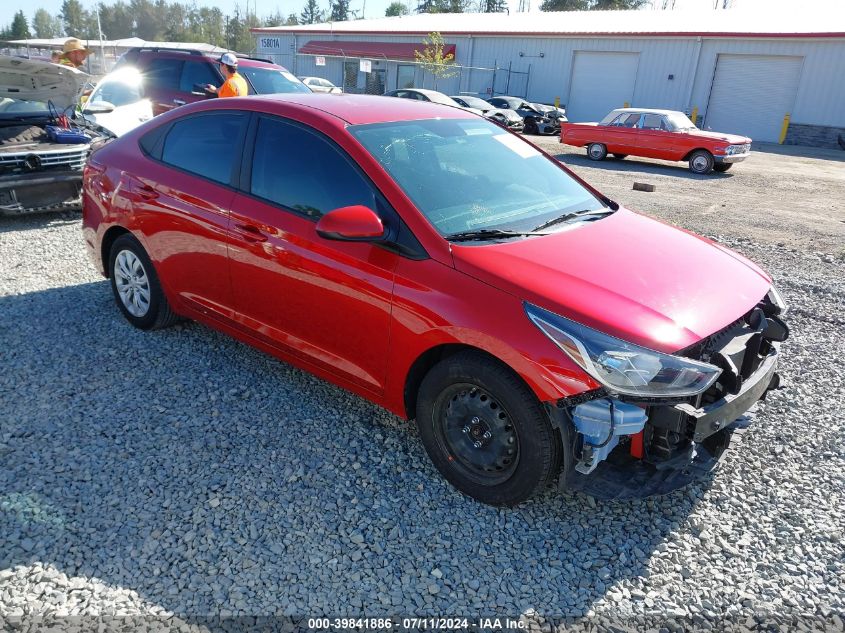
<point x="197" y="73"/>
<point x="313" y="180"/>
<point x="163" y="73"/>
<point x="208" y="145"/>
<point x="653" y="122"/>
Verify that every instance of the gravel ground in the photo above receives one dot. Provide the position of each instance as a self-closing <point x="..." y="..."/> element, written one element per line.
<point x="182" y="475"/>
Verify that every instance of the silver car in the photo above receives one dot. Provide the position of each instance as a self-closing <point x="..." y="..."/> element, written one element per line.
<point x="318" y="84"/>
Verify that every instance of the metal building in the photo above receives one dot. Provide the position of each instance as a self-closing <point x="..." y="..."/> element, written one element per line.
<point x="740" y="72"/>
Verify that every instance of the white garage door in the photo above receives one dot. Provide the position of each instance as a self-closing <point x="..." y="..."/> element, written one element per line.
<point x="601" y="82"/>
<point x="752" y="93"/>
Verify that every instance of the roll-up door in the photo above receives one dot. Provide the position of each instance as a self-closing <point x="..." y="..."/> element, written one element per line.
<point x="601" y="82"/>
<point x="752" y="93"/>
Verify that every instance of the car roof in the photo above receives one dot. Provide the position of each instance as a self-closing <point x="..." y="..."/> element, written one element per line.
<point x="351" y="108"/>
<point x="248" y="62"/>
<point x="646" y="111"/>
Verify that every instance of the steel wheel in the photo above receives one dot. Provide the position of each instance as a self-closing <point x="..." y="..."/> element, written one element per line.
<point x="477" y="434"/>
<point x="701" y="162"/>
<point x="132" y="283"/>
<point x="596" y="151"/>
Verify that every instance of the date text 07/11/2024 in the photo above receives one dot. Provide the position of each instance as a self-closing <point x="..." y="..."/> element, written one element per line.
<point x="416" y="624"/>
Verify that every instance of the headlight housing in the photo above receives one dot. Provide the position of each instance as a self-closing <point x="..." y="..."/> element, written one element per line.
<point x="778" y="300"/>
<point x="623" y="367"/>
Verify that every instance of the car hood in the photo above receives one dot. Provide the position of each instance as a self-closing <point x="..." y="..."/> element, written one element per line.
<point x="37" y="80"/>
<point x="733" y="139"/>
<point x="626" y="275"/>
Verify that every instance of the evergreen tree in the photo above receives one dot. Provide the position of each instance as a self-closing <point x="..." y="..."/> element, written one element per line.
<point x="311" y="13"/>
<point x="590" y="5"/>
<point x="20" y="27"/>
<point x="340" y="10"/>
<point x="74" y="19"/>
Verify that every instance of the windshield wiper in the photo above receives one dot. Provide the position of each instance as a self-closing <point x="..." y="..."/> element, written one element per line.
<point x="572" y="215"/>
<point x="488" y="234"/>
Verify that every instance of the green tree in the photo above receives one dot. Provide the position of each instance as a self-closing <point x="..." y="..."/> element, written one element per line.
<point x="292" y="20"/>
<point x="20" y="27"/>
<point x="442" y="6"/>
<point x="45" y="25"/>
<point x="494" y="6"/>
<point x="74" y="18"/>
<point x="340" y="10"/>
<point x="434" y="59"/>
<point x="311" y="13"/>
<point x="116" y="20"/>
<point x="590" y="5"/>
<point x="396" y="9"/>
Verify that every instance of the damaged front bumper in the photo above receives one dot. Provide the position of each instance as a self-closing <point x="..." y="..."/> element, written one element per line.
<point x="620" y="448"/>
<point x="40" y="191"/>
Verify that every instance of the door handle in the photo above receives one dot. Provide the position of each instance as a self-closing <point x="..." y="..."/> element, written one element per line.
<point x="250" y="233"/>
<point x="179" y="102"/>
<point x="147" y="192"/>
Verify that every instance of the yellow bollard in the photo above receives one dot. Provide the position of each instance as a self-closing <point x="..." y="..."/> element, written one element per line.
<point x="694" y="115"/>
<point x="627" y="105"/>
<point x="557" y="102"/>
<point x="783" y="129"/>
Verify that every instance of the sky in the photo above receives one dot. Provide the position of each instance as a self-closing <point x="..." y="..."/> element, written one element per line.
<point x="375" y="8"/>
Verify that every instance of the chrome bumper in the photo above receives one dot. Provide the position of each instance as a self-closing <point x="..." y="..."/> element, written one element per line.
<point x="733" y="158"/>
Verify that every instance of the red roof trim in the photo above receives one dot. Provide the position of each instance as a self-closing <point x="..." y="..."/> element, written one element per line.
<point x="375" y="50"/>
<point x="270" y="31"/>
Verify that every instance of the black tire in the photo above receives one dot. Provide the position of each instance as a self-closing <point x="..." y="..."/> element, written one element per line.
<point x="531" y="128"/>
<point x="596" y="151"/>
<point x="472" y="391"/>
<point x="153" y="314"/>
<point x="620" y="156"/>
<point x="722" y="167"/>
<point x="701" y="162"/>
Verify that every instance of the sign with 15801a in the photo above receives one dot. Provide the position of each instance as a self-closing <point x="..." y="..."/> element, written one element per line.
<point x="270" y="42"/>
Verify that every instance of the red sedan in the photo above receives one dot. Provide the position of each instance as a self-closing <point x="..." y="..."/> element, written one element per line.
<point x="449" y="271"/>
<point x="663" y="134"/>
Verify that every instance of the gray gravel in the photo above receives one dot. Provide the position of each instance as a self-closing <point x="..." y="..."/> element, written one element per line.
<point x="183" y="474"/>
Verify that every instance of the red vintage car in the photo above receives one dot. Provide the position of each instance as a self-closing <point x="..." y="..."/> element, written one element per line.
<point x="448" y="270"/>
<point x="663" y="134"/>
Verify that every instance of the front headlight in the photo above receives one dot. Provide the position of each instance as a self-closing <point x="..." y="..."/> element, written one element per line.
<point x="623" y="367"/>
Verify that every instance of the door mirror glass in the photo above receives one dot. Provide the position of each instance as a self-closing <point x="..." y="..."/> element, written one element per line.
<point x="352" y="224"/>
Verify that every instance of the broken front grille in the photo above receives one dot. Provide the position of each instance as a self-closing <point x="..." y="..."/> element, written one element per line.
<point x="739" y="349"/>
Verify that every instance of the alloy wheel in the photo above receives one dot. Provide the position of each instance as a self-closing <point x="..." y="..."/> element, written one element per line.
<point x="132" y="283"/>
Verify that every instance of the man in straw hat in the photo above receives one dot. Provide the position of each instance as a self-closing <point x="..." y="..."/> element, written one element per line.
<point x="73" y="53"/>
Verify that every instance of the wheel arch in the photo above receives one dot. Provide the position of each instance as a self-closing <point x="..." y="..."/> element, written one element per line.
<point x="109" y="238"/>
<point x="433" y="355"/>
<point x="696" y="149"/>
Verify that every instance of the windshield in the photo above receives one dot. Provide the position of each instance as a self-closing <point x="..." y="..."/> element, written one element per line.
<point x="125" y="88"/>
<point x="270" y="81"/>
<point x="680" y="121"/>
<point x="475" y="102"/>
<point x="467" y="174"/>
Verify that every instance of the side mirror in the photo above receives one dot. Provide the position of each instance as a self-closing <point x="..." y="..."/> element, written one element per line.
<point x="351" y="224"/>
<point x="98" y="107"/>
